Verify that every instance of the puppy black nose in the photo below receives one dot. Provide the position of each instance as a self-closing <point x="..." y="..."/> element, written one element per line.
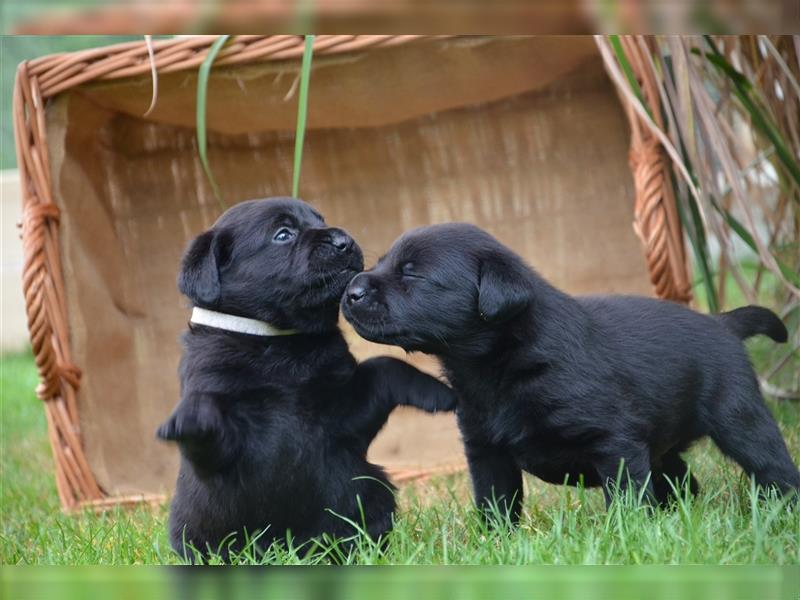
<point x="358" y="289"/>
<point x="340" y="240"/>
<point x="356" y="293"/>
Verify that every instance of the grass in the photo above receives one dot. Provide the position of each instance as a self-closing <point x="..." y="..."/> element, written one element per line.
<point x="435" y="524"/>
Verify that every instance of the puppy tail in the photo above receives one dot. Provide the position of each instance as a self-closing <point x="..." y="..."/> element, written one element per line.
<point x="748" y="321"/>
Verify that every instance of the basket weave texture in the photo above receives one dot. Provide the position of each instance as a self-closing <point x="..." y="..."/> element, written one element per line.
<point x="655" y="217"/>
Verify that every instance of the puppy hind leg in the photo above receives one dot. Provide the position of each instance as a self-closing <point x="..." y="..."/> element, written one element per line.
<point x="671" y="477"/>
<point x="626" y="468"/>
<point x="745" y="430"/>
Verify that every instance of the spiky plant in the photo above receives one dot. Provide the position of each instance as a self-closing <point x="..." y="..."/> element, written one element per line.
<point x="728" y="115"/>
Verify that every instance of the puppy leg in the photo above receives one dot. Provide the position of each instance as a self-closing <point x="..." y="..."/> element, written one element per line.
<point x="672" y="469"/>
<point x="195" y="417"/>
<point x="199" y="428"/>
<point x="626" y="466"/>
<point x="745" y="430"/>
<point x="496" y="480"/>
<point x="407" y="385"/>
<point x="379" y="529"/>
<point x="383" y="383"/>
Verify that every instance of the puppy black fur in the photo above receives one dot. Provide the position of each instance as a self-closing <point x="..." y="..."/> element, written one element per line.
<point x="566" y="387"/>
<point x="273" y="431"/>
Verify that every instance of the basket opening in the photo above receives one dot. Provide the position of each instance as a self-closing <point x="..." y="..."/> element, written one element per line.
<point x="524" y="137"/>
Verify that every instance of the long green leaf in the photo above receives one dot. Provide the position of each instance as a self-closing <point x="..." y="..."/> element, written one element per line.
<point x="628" y="70"/>
<point x="202" y="92"/>
<point x="695" y="231"/>
<point x="302" y="108"/>
<point x="747" y="238"/>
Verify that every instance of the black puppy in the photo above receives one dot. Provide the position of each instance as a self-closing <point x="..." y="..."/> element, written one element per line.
<point x="563" y="387"/>
<point x="275" y="415"/>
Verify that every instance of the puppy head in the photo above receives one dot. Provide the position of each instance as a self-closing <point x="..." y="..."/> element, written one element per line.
<point x="274" y="260"/>
<point x="439" y="289"/>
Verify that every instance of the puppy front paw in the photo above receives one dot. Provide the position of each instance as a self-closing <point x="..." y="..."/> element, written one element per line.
<point x="168" y="430"/>
<point x="439" y="399"/>
<point x="448" y="401"/>
<point x="190" y="421"/>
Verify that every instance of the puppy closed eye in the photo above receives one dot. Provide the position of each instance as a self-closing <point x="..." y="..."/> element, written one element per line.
<point x="284" y="235"/>
<point x="409" y="269"/>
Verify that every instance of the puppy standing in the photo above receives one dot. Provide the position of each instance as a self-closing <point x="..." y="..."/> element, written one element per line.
<point x="275" y="415"/>
<point x="566" y="387"/>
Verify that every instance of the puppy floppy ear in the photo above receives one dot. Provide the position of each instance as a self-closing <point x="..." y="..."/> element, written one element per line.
<point x="199" y="275"/>
<point x="504" y="289"/>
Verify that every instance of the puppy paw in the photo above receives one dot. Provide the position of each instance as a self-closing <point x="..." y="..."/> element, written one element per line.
<point x="190" y="421"/>
<point x="448" y="401"/>
<point x="439" y="399"/>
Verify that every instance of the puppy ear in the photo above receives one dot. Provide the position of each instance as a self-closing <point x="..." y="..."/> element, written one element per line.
<point x="504" y="289"/>
<point x="199" y="275"/>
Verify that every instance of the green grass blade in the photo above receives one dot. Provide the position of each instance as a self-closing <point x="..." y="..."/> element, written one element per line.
<point x="302" y="107"/>
<point x="202" y="92"/>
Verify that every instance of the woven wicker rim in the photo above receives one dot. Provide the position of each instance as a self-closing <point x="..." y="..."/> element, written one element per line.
<point x="655" y="219"/>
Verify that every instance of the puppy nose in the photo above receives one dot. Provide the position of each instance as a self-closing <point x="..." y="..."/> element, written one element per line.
<point x="357" y="290"/>
<point x="340" y="240"/>
<point x="356" y="293"/>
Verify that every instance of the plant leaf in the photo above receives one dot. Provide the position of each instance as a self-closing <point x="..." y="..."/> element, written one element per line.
<point x="628" y="70"/>
<point x="202" y="91"/>
<point x="302" y="107"/>
<point x="695" y="231"/>
<point x="747" y="238"/>
<point x="742" y="89"/>
<point x="148" y="40"/>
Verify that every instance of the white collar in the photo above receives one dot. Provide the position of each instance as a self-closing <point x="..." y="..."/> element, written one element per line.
<point x="211" y="318"/>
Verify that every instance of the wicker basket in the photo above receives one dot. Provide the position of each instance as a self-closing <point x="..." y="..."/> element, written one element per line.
<point x="40" y="80"/>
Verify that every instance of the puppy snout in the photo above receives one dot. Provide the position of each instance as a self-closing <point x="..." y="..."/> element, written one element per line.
<point x="358" y="290"/>
<point x="339" y="240"/>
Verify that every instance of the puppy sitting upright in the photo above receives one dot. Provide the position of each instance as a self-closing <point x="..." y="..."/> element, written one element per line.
<point x="275" y="415"/>
<point x="566" y="387"/>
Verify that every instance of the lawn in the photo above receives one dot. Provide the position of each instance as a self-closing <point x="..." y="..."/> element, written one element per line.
<point x="727" y="523"/>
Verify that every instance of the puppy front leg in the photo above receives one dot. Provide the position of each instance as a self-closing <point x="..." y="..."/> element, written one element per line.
<point x="404" y="385"/>
<point x="496" y="480"/>
<point x="383" y="383"/>
<point x="197" y="426"/>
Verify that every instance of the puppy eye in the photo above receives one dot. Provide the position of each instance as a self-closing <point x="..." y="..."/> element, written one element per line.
<point x="283" y="235"/>
<point x="407" y="268"/>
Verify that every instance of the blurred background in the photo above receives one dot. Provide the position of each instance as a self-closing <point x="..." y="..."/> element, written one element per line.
<point x="48" y="17"/>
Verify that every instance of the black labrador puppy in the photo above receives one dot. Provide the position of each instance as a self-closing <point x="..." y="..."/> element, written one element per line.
<point x="276" y="415"/>
<point x="568" y="387"/>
